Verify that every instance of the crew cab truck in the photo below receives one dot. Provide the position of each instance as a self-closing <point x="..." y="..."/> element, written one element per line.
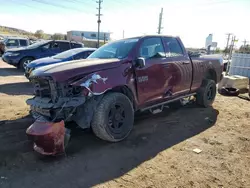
<point x="104" y="91"/>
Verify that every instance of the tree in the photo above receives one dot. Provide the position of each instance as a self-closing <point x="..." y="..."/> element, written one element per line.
<point x="244" y="49"/>
<point x="58" y="36"/>
<point x="218" y="51"/>
<point x="39" y="34"/>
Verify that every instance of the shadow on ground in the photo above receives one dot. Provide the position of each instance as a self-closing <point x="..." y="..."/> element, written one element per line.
<point x="90" y="161"/>
<point x="20" y="88"/>
<point x="11" y="72"/>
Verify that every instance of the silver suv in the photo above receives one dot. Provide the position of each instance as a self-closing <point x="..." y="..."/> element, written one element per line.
<point x="13" y="42"/>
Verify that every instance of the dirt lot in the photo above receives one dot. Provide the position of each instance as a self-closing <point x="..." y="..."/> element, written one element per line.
<point x="158" y="153"/>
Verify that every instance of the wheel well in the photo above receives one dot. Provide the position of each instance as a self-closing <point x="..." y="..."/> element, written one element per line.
<point x="126" y="91"/>
<point x="26" y="57"/>
<point x="211" y="75"/>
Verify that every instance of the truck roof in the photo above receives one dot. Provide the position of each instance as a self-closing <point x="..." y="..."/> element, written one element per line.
<point x="15" y="37"/>
<point x="142" y="36"/>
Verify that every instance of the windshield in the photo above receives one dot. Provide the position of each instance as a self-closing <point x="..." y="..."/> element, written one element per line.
<point x="37" y="44"/>
<point x="118" y="49"/>
<point x="68" y="53"/>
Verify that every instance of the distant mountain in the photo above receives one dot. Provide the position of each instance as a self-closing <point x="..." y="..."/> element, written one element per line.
<point x="11" y="30"/>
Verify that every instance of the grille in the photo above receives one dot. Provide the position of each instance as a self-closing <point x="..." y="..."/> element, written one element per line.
<point x="41" y="87"/>
<point x="46" y="87"/>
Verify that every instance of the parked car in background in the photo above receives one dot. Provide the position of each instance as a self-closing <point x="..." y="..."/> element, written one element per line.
<point x="73" y="54"/>
<point x="103" y="91"/>
<point x="13" y="42"/>
<point x="22" y="57"/>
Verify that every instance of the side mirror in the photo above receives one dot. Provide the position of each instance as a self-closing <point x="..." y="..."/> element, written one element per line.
<point x="140" y="62"/>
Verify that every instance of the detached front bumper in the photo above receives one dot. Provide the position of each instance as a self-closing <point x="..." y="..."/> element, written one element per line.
<point x="48" y="132"/>
<point x="49" y="138"/>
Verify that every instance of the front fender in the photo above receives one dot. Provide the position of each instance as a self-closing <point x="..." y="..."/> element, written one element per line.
<point x="99" y="82"/>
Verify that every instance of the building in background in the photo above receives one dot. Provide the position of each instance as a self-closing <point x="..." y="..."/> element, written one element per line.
<point x="209" y="41"/>
<point x="80" y="36"/>
<point x="210" y="45"/>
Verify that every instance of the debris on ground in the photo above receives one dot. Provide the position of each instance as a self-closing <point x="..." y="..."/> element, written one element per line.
<point x="197" y="150"/>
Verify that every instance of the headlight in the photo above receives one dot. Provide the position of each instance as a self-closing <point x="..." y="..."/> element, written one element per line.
<point x="11" y="54"/>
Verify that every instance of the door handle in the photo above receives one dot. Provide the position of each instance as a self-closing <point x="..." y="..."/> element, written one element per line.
<point x="185" y="62"/>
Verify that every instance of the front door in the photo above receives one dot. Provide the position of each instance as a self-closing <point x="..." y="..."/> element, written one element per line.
<point x="151" y="78"/>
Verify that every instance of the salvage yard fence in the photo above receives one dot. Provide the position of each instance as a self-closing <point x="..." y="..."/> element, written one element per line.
<point x="240" y="65"/>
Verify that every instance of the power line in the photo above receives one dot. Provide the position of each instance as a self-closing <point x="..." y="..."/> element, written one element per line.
<point x="56" y="5"/>
<point x="99" y="21"/>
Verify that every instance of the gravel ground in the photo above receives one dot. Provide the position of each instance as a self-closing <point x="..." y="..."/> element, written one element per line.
<point x="158" y="153"/>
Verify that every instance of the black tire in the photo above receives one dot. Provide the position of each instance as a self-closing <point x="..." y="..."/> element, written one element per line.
<point x="229" y="91"/>
<point x="24" y="61"/>
<point x="206" y="94"/>
<point x="107" y="124"/>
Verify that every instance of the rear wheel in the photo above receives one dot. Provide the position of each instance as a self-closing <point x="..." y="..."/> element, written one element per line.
<point x="24" y="62"/>
<point x="206" y="94"/>
<point x="114" y="118"/>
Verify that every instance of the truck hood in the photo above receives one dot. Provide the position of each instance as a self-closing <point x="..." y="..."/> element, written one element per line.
<point x="67" y="70"/>
<point x="43" y="61"/>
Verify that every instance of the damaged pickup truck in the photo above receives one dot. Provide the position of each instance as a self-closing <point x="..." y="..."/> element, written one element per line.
<point x="104" y="91"/>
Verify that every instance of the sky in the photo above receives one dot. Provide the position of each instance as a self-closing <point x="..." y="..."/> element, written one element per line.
<point x="192" y="20"/>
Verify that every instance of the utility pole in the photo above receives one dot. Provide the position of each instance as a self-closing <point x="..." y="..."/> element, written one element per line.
<point x="245" y="42"/>
<point x="230" y="53"/>
<point x="160" y="21"/>
<point x="228" y="38"/>
<point x="123" y="34"/>
<point x="99" y="21"/>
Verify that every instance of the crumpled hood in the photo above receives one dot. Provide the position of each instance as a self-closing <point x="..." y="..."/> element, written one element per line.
<point x="64" y="71"/>
<point x="43" y="61"/>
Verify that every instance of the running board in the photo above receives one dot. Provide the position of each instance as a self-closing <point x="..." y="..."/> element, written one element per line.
<point x="166" y="102"/>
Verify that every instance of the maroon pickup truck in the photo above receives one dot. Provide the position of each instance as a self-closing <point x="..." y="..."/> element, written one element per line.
<point x="104" y="91"/>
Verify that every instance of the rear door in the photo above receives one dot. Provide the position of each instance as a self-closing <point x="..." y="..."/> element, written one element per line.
<point x="178" y="67"/>
<point x="150" y="79"/>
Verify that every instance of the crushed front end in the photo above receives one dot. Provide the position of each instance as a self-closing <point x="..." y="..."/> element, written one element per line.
<point x="53" y="105"/>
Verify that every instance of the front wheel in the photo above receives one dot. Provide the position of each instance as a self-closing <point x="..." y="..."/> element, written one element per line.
<point x="114" y="118"/>
<point x="206" y="94"/>
<point x="24" y="62"/>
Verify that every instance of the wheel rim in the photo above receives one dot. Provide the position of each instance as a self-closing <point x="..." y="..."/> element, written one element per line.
<point x="116" y="118"/>
<point x="26" y="63"/>
<point x="210" y="93"/>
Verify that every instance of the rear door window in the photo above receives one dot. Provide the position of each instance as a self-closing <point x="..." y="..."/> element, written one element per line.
<point x="150" y="48"/>
<point x="173" y="47"/>
<point x="23" y="42"/>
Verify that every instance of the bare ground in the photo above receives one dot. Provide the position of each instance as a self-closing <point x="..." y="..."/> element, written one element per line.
<point x="158" y="153"/>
